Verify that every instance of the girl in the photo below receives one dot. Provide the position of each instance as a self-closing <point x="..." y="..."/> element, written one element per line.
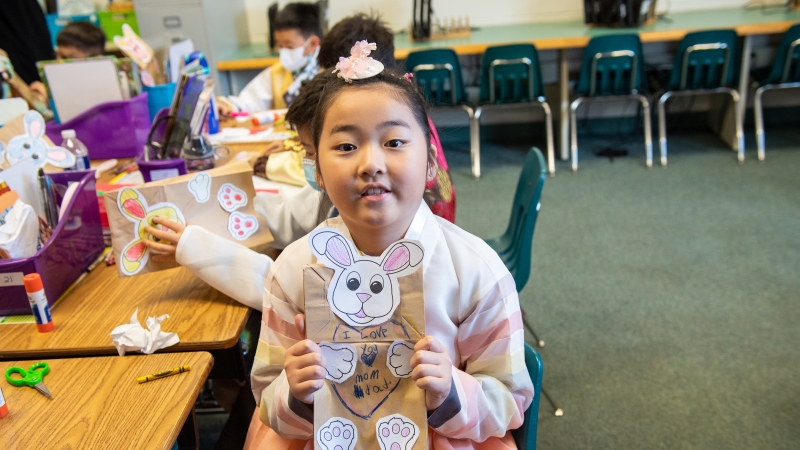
<point x="374" y="159"/>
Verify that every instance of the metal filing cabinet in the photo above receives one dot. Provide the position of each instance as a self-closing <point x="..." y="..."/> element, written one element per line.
<point x="216" y="27"/>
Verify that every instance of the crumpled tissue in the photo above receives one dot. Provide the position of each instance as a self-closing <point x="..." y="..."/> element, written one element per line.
<point x="19" y="236"/>
<point x="132" y="337"/>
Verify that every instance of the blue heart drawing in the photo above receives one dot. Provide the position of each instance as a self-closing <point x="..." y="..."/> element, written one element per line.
<point x="369" y="358"/>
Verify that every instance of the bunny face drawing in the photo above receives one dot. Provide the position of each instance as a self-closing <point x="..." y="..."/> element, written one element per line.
<point x="31" y="145"/>
<point x="133" y="206"/>
<point x="364" y="290"/>
<point x="133" y="46"/>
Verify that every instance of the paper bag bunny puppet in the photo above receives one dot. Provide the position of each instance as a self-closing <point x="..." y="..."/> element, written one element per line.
<point x="31" y="145"/>
<point x="137" y="49"/>
<point x="366" y="313"/>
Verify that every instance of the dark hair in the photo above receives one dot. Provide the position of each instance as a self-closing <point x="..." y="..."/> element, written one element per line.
<point x="303" y="17"/>
<point x="301" y="110"/>
<point x="84" y="36"/>
<point x="339" y="39"/>
<point x="403" y="90"/>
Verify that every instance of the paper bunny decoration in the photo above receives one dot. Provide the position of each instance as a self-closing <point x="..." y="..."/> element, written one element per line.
<point x="366" y="314"/>
<point x="137" y="49"/>
<point x="365" y="290"/>
<point x="31" y="145"/>
<point x="133" y="206"/>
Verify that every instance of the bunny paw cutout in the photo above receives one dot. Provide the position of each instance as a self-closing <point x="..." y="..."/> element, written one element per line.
<point x="396" y="432"/>
<point x="340" y="361"/>
<point x="242" y="226"/>
<point x="31" y="145"/>
<point x="200" y="187"/>
<point x="132" y="205"/>
<point x="337" y="433"/>
<point x="231" y="198"/>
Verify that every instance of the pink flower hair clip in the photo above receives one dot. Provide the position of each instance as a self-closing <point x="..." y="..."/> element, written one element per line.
<point x="359" y="65"/>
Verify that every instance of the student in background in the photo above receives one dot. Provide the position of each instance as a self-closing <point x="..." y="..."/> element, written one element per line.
<point x="24" y="35"/>
<point x="297" y="35"/>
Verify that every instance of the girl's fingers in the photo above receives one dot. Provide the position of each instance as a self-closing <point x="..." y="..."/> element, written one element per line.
<point x="428" y="370"/>
<point x="158" y="247"/>
<point x="163" y="235"/>
<point x="174" y="226"/>
<point x="428" y="357"/>
<point x="309" y="373"/>
<point x="303" y="347"/>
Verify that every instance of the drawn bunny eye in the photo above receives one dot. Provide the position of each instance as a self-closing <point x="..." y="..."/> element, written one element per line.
<point x="376" y="284"/>
<point x="26" y="146"/>
<point x="353" y="281"/>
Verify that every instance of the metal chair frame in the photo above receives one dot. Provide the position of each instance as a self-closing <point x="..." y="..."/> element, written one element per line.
<point x="662" y="101"/>
<point x="758" y="106"/>
<point x="573" y="116"/>
<point x="474" y="133"/>
<point x="475" y="152"/>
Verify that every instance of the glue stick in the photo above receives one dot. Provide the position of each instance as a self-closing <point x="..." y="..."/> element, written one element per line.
<point x="39" y="306"/>
<point x="3" y="406"/>
<point x="260" y="118"/>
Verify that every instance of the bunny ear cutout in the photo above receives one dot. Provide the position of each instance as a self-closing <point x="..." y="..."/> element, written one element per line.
<point x="60" y="157"/>
<point x="34" y="124"/>
<point x="131" y="204"/>
<point x="331" y="248"/>
<point x="133" y="257"/>
<point x="402" y="257"/>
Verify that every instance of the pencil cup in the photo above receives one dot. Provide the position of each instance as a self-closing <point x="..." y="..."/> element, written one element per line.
<point x="159" y="96"/>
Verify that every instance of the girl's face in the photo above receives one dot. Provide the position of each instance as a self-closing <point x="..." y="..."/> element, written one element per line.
<point x="373" y="161"/>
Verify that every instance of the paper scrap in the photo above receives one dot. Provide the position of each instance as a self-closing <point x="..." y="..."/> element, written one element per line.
<point x="364" y="290"/>
<point x="398" y="358"/>
<point x="200" y="187"/>
<point x="230" y="197"/>
<point x="242" y="226"/>
<point x="340" y="360"/>
<point x="19" y="235"/>
<point x="337" y="433"/>
<point x="396" y="432"/>
<point x="131" y="337"/>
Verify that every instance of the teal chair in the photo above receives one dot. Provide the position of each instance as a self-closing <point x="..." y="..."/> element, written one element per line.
<point x="706" y="63"/>
<point x="612" y="69"/>
<point x="511" y="78"/>
<point x="525" y="436"/>
<point x="785" y="74"/>
<point x="438" y="74"/>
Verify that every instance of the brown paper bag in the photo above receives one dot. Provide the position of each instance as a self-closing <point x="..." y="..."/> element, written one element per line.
<point x="373" y="407"/>
<point x="196" y="198"/>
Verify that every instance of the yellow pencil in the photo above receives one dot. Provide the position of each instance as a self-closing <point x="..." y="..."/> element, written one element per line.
<point x="166" y="373"/>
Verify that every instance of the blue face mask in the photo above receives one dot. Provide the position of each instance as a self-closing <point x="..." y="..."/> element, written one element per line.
<point x="310" y="170"/>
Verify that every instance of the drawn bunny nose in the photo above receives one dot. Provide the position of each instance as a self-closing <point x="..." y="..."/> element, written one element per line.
<point x="363" y="297"/>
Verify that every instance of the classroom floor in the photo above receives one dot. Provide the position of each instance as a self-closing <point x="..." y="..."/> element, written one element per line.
<point x="669" y="299"/>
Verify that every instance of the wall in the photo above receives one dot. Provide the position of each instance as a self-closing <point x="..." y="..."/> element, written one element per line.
<point x="397" y="13"/>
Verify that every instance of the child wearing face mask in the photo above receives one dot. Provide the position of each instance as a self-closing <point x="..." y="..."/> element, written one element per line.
<point x="297" y="35"/>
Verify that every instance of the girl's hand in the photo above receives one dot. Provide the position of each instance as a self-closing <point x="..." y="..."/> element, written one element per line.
<point x="304" y="366"/>
<point x="167" y="250"/>
<point x="432" y="371"/>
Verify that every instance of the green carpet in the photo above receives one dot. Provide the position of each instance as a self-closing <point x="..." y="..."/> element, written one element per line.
<point x="669" y="298"/>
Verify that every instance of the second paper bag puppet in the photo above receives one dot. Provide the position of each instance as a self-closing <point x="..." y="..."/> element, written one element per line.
<point x="366" y="313"/>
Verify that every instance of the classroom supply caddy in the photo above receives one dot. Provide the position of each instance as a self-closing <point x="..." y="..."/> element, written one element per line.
<point x="153" y="169"/>
<point x="109" y="130"/>
<point x="75" y="244"/>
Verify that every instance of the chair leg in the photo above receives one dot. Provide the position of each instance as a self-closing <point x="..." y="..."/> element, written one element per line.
<point x="529" y="327"/>
<point x="737" y="116"/>
<point x="557" y="411"/>
<point x="573" y="132"/>
<point x="474" y="139"/>
<point x="551" y="156"/>
<point x="648" y="131"/>
<point x="758" y="108"/>
<point x="662" y="126"/>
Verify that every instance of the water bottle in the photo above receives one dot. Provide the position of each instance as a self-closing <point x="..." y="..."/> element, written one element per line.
<point x="77" y="148"/>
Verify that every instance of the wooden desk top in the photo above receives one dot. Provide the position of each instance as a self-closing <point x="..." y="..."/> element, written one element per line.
<point x="97" y="403"/>
<point x="204" y="318"/>
<point x="561" y="35"/>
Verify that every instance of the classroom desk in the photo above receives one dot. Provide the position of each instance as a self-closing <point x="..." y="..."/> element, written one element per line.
<point x="204" y="318"/>
<point x="97" y="403"/>
<point x="563" y="36"/>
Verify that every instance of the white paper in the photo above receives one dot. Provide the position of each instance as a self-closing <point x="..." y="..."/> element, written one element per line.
<point x="242" y="226"/>
<point x="21" y="177"/>
<point x="340" y="360"/>
<point x="81" y="85"/>
<point x="337" y="433"/>
<point x="396" y="432"/>
<point x="231" y="198"/>
<point x="177" y="54"/>
<point x="131" y="337"/>
<point x="398" y="358"/>
<point x="19" y="236"/>
<point x="200" y="187"/>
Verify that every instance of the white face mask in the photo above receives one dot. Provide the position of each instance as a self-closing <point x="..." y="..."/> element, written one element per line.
<point x="294" y="59"/>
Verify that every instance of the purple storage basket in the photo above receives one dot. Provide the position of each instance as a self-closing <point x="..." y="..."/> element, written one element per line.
<point x="76" y="243"/>
<point x="159" y="169"/>
<point x="109" y="130"/>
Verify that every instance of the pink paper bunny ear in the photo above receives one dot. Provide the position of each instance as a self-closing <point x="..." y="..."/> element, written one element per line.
<point x="402" y="257"/>
<point x="34" y="124"/>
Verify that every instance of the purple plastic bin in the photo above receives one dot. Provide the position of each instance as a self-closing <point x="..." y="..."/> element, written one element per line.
<point x="109" y="130"/>
<point x="76" y="243"/>
<point x="159" y="169"/>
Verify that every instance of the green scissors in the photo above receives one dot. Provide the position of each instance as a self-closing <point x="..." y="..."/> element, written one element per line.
<point x="33" y="377"/>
